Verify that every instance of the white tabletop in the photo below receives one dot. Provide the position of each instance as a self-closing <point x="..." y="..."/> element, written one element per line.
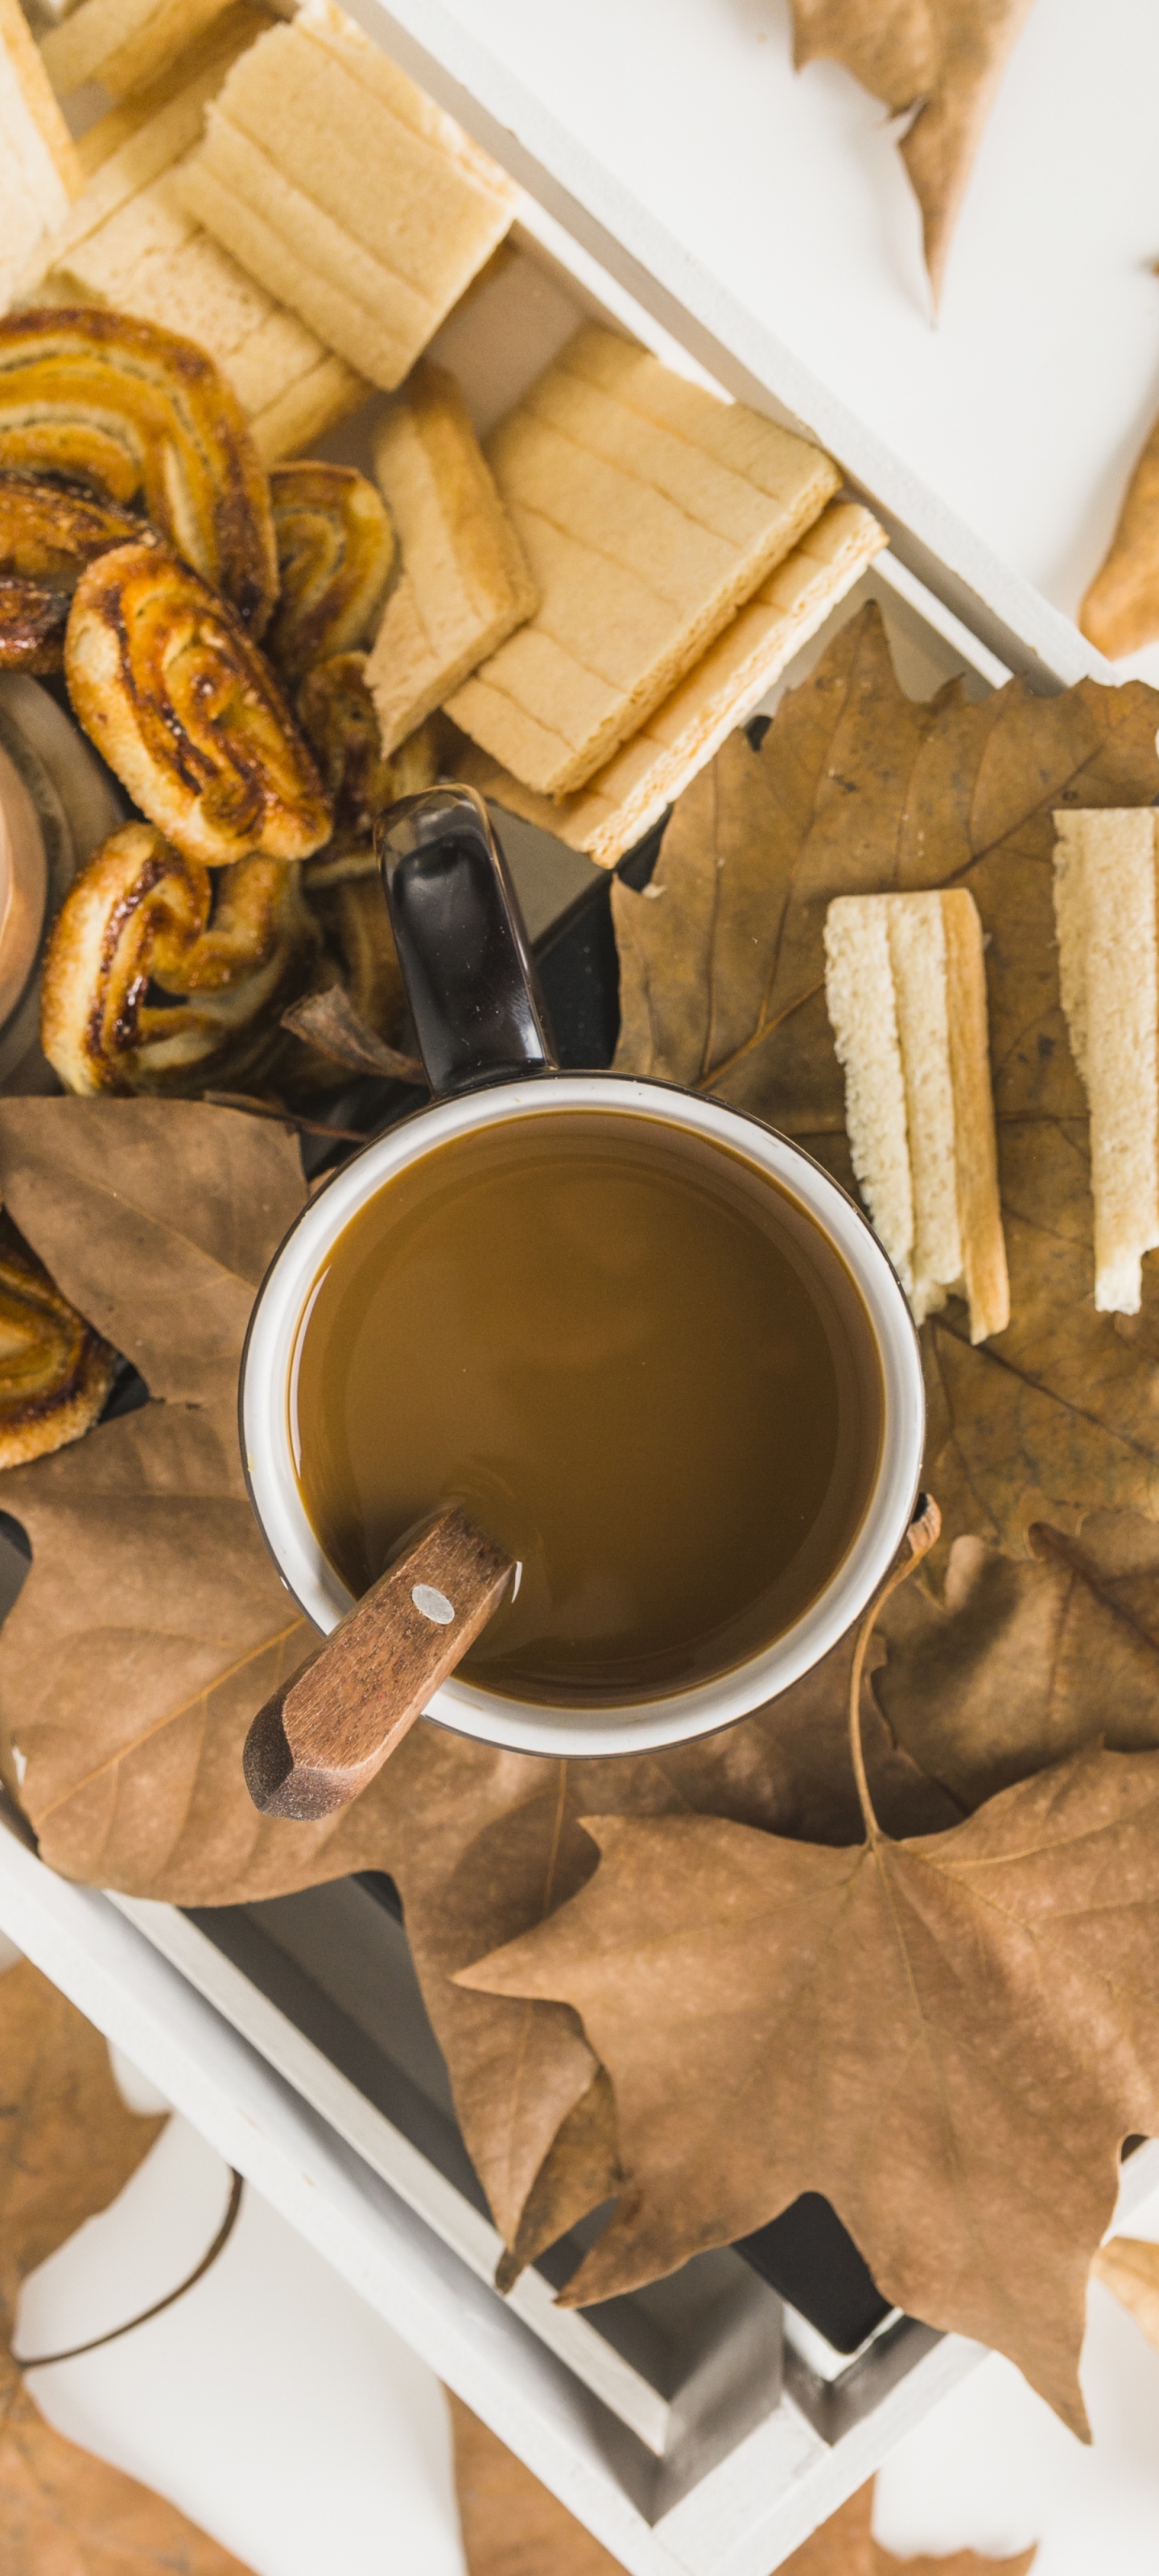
<point x="1026" y="404"/>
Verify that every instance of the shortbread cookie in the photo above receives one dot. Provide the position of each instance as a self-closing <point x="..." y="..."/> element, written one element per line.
<point x="144" y="418"/>
<point x="464" y="583"/>
<point x="905" y="986"/>
<point x="130" y="244"/>
<point x="345" y="191"/>
<point x="123" y="44"/>
<point x="39" y="170"/>
<point x="1105" y="913"/>
<point x="633" y="790"/>
<point x="166" y="682"/>
<point x="649" y="512"/>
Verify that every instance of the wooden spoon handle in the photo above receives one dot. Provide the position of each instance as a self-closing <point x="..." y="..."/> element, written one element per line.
<point x="327" y="1731"/>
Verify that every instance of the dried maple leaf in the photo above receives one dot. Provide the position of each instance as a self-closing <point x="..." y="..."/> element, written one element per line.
<point x="845" y="2546"/>
<point x="485" y="1845"/>
<point x="1129" y="2266"/>
<point x="512" y="2525"/>
<point x="1120" y="612"/>
<point x="949" y="2037"/>
<point x="67" y="2146"/>
<point x="857" y="789"/>
<point x="937" y="61"/>
<point x="67" y="2142"/>
<point x="1021" y="1663"/>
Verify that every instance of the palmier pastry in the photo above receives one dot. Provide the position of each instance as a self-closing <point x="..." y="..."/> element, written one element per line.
<point x="145" y="418"/>
<point x="55" y="1371"/>
<point x="141" y="921"/>
<point x="47" y="536"/>
<point x="338" y="714"/>
<point x="188" y="713"/>
<point x="336" y="552"/>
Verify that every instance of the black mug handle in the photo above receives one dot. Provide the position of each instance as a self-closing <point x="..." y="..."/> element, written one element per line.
<point x="464" y="952"/>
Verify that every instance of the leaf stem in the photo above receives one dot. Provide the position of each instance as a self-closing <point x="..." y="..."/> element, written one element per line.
<point x="920" y="1537"/>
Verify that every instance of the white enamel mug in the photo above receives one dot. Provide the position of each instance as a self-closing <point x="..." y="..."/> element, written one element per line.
<point x="484" y="1041"/>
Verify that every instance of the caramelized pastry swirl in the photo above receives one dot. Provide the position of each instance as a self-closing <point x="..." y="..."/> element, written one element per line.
<point x="32" y="623"/>
<point x="338" y="714"/>
<point x="142" y="417"/>
<point x="142" y="921"/>
<point x="336" y="553"/>
<point x="55" y="1371"/>
<point x="188" y="713"/>
<point x="47" y="536"/>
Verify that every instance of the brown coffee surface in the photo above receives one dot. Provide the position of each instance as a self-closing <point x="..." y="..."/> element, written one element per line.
<point x="633" y="1359"/>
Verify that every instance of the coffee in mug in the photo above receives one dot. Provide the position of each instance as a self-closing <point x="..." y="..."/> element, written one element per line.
<point x="634" y="1358"/>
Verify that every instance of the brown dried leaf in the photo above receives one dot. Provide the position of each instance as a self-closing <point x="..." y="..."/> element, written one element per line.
<point x="329" y="1020"/>
<point x="67" y="2147"/>
<point x="1021" y="1664"/>
<point x="63" y="2513"/>
<point x="1129" y="2266"/>
<point x="159" y="1220"/>
<point x="1120" y="613"/>
<point x="895" y="2025"/>
<point x="938" y="61"/>
<point x="67" y="2143"/>
<point x="844" y="2546"/>
<point x="858" y="789"/>
<point x="487" y="1845"/>
<point x="513" y="2526"/>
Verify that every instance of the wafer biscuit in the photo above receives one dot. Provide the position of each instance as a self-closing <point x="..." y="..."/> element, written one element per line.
<point x="905" y="987"/>
<point x="464" y="583"/>
<point x="39" y="170"/>
<point x="345" y="191"/>
<point x="1105" y="911"/>
<point x="633" y="790"/>
<point x="649" y="511"/>
<point x="123" y="44"/>
<point x="129" y="243"/>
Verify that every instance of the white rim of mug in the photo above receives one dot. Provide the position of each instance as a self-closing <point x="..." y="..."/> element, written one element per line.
<point x="269" y="1367"/>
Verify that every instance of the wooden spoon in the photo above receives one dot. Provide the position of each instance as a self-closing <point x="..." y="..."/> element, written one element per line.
<point x="330" y="1728"/>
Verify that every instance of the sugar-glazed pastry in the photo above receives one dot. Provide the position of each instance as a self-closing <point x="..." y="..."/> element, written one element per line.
<point x="338" y="714"/>
<point x="336" y="552"/>
<point x="233" y="950"/>
<point x="188" y="713"/>
<point x="56" y="1373"/>
<point x="47" y="536"/>
<point x="144" y="419"/>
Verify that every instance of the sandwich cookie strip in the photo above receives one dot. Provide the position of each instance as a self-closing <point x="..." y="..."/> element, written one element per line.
<point x="130" y="244"/>
<point x="336" y="552"/>
<point x="635" y="788"/>
<point x="47" y="536"/>
<point x="1105" y="915"/>
<point x="143" y="418"/>
<point x="124" y="44"/>
<point x="239" y="947"/>
<point x="187" y="712"/>
<point x="345" y="191"/>
<point x="649" y="512"/>
<point x="464" y="584"/>
<point x="905" y="987"/>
